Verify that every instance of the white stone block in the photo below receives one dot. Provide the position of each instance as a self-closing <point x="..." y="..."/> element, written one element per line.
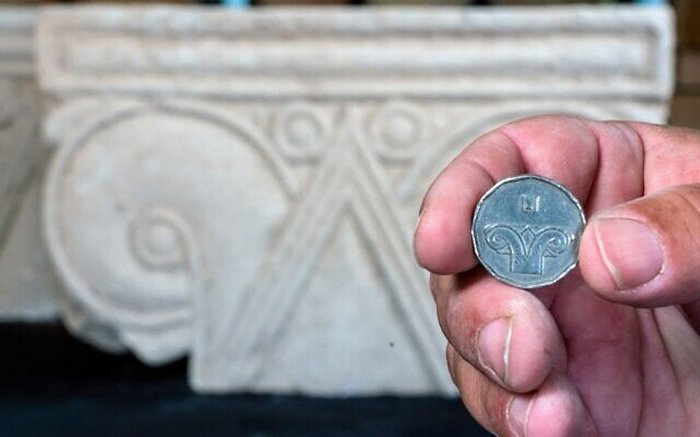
<point x="27" y="285"/>
<point x="242" y="186"/>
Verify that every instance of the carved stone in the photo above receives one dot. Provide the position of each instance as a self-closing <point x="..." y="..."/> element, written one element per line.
<point x="242" y="186"/>
<point x="27" y="289"/>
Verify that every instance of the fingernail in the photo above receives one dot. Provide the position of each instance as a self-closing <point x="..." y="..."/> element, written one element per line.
<point x="494" y="347"/>
<point x="630" y="251"/>
<point x="518" y="412"/>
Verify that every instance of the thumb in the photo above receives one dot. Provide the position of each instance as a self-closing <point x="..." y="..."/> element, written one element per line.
<point x="646" y="252"/>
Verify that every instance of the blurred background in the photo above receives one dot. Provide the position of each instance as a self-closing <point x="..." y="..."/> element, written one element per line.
<point x="53" y="384"/>
<point x="685" y="108"/>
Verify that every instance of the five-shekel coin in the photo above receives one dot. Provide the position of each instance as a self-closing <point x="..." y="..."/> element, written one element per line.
<point x="526" y="231"/>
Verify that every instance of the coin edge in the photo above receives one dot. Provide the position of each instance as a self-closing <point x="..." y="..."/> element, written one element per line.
<point x="578" y="235"/>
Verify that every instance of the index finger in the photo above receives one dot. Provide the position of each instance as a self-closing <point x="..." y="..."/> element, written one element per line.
<point x="561" y="148"/>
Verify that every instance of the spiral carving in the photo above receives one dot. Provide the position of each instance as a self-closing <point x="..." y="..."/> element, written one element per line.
<point x="397" y="130"/>
<point x="549" y="243"/>
<point x="143" y="209"/>
<point x="504" y="240"/>
<point x="302" y="131"/>
<point x="527" y="249"/>
<point x="159" y="239"/>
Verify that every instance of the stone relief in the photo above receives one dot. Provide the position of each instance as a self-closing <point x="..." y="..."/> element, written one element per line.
<point x="215" y="236"/>
<point x="283" y="53"/>
<point x="27" y="292"/>
<point x="19" y="145"/>
<point x="254" y="209"/>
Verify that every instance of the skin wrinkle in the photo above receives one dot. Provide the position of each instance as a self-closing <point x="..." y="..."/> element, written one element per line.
<point x="664" y="174"/>
<point x="611" y="341"/>
<point x="582" y="343"/>
<point x="433" y="286"/>
<point x="480" y="167"/>
<point x="691" y="235"/>
<point x="664" y="350"/>
<point x="526" y="419"/>
<point x="637" y="152"/>
<point x="450" y="313"/>
<point x="594" y="181"/>
<point x="520" y="158"/>
<point x="561" y="366"/>
<point x="555" y="129"/>
<point x="667" y="171"/>
<point x="642" y="373"/>
<point x="450" y="359"/>
<point x="666" y="355"/>
<point x="635" y="142"/>
<point x="684" y="198"/>
<point x="497" y="416"/>
<point x="526" y="169"/>
<point x="606" y="141"/>
<point x="680" y="377"/>
<point x="507" y="413"/>
<point x="646" y="169"/>
<point x="442" y="313"/>
<point x="588" y="197"/>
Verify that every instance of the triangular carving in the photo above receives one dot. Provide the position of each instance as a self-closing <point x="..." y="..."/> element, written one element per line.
<point x="346" y="178"/>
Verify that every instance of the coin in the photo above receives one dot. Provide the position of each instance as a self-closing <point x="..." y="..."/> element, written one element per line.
<point x="526" y="231"/>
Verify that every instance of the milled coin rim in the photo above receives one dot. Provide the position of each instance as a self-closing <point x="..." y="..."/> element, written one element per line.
<point x="568" y="194"/>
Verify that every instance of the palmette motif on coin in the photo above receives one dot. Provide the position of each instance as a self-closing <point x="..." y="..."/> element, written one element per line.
<point x="526" y="231"/>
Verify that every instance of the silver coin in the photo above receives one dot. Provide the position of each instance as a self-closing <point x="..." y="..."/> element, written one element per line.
<point x="526" y="231"/>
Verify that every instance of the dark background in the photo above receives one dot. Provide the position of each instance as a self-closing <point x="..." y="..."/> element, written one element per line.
<point x="53" y="385"/>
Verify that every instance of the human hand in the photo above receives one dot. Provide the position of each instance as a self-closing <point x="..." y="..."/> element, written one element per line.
<point x="613" y="349"/>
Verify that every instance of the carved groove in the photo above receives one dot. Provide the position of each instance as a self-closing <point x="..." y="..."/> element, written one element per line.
<point x="527" y="249"/>
<point x="158" y="239"/>
<point x="423" y="53"/>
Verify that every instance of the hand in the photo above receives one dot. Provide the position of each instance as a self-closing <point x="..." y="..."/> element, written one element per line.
<point x="612" y="349"/>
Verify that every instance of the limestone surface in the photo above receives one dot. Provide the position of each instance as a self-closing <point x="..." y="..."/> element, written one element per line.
<point x="28" y="288"/>
<point x="242" y="187"/>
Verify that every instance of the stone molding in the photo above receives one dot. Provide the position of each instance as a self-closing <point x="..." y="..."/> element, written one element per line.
<point x="289" y="53"/>
<point x="17" y="42"/>
<point x="241" y="187"/>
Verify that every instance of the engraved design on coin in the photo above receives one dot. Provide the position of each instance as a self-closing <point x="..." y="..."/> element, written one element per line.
<point x="526" y="231"/>
<point x="527" y="248"/>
